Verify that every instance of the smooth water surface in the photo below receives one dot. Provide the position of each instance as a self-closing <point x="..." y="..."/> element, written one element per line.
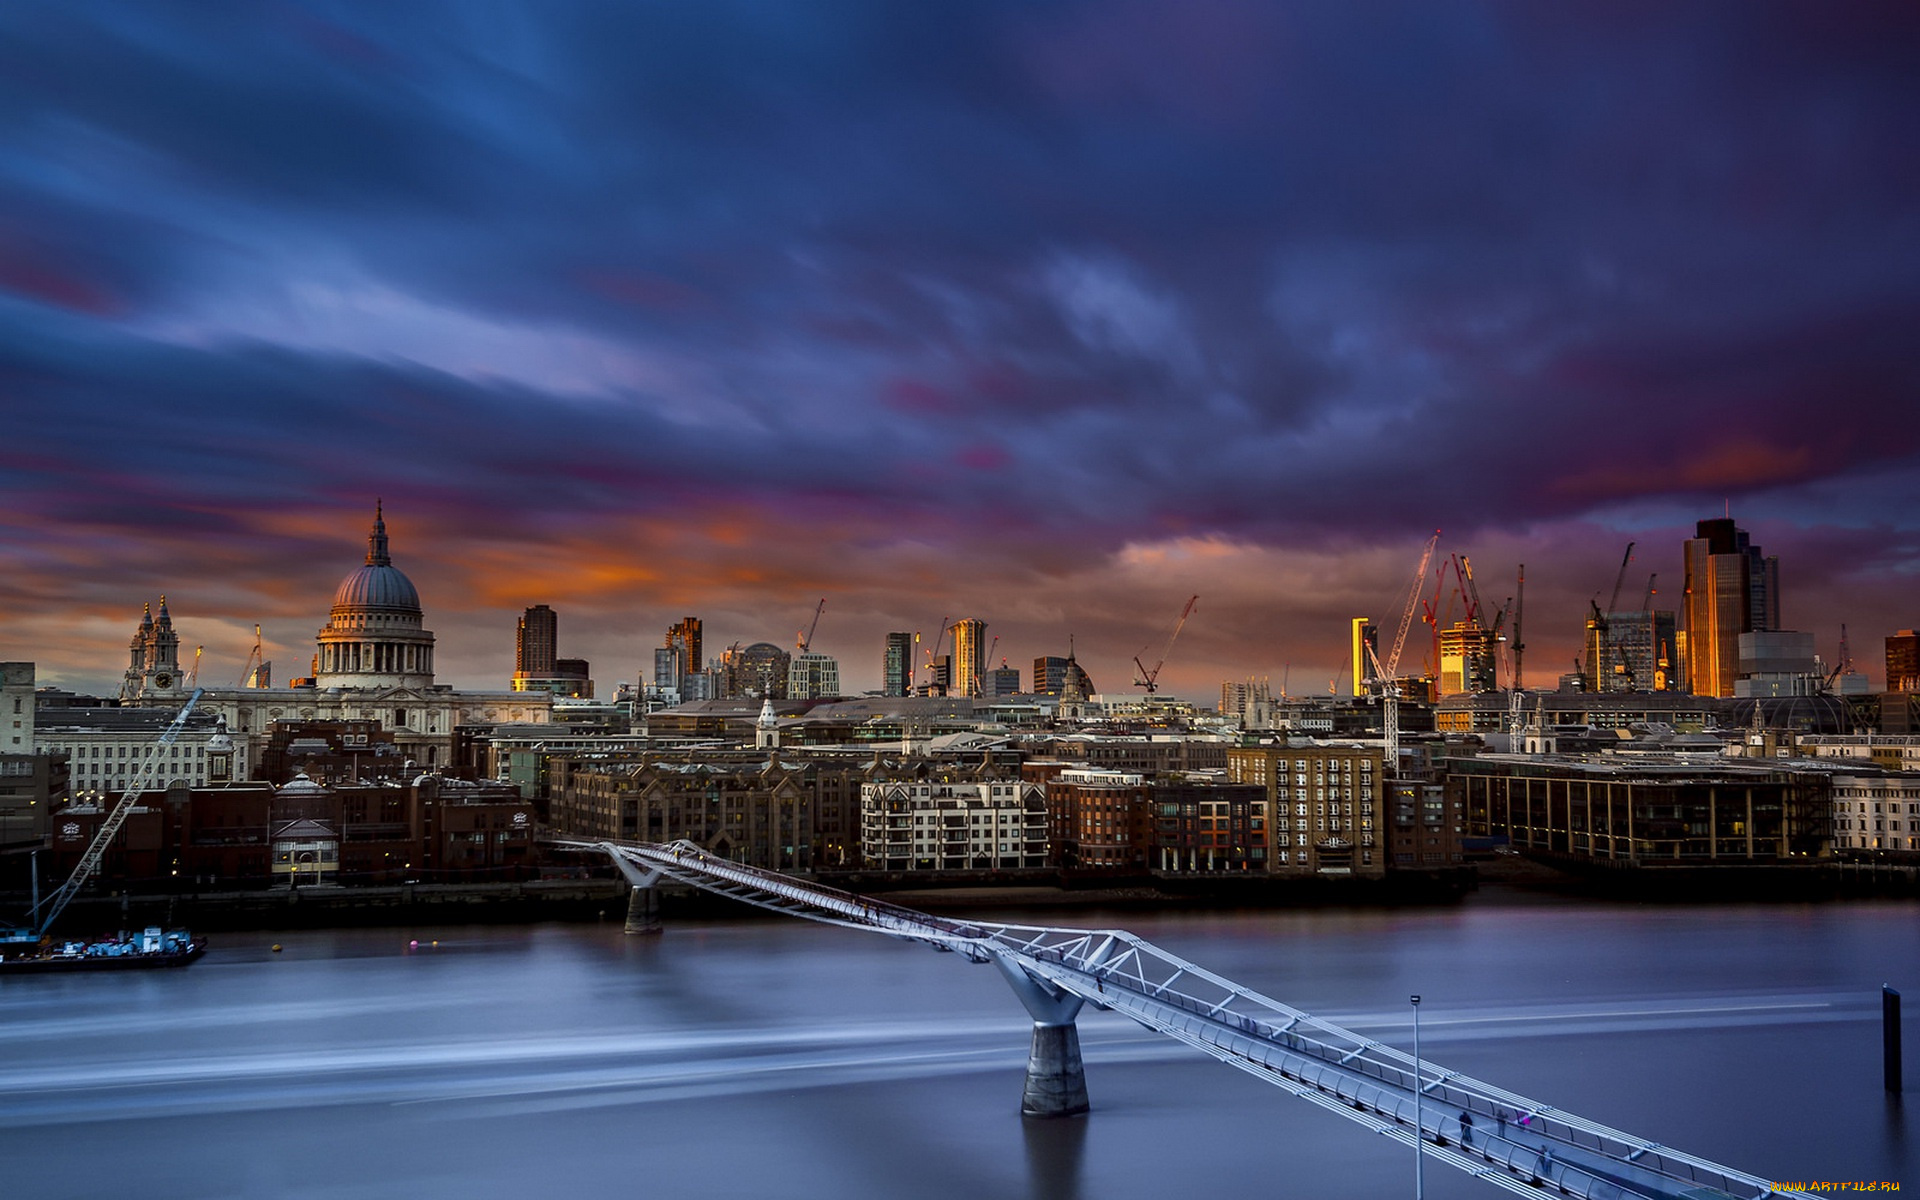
<point x="778" y="1058"/>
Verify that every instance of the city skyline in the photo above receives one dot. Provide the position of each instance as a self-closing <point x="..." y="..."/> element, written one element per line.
<point x="1054" y="315"/>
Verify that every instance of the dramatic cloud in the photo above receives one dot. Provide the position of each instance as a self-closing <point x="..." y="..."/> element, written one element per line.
<point x="1054" y="314"/>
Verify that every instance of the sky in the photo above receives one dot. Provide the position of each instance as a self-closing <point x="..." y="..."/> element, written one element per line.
<point x="1051" y="314"/>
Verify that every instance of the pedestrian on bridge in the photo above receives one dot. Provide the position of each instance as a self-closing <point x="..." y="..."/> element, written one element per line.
<point x="1466" y="1129"/>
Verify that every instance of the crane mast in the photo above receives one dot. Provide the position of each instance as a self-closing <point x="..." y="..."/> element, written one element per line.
<point x="1406" y="618"/>
<point x="806" y="639"/>
<point x="1389" y="708"/>
<point x="1150" y="680"/>
<point x="90" y="861"/>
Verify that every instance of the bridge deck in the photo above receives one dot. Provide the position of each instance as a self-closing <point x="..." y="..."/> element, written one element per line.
<point x="1509" y="1140"/>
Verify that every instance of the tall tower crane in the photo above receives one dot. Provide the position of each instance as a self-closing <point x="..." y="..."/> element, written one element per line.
<point x="1603" y="624"/>
<point x="1389" y="670"/>
<point x="1389" y="709"/>
<point x="806" y="639"/>
<point x="1150" y="680"/>
<point x="933" y="653"/>
<point x="1385" y="676"/>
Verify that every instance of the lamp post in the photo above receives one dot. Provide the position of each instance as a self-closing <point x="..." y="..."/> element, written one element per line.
<point x="1419" y="1131"/>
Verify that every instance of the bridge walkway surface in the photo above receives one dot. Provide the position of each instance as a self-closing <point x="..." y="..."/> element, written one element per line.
<point x="1508" y="1140"/>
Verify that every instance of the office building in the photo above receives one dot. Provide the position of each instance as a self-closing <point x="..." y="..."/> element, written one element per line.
<point x="813" y="676"/>
<point x="1731" y="589"/>
<point x="536" y="643"/>
<point x="684" y="640"/>
<point x="1051" y="672"/>
<point x="760" y="671"/>
<point x="1366" y="635"/>
<point x="1633" y="652"/>
<point x="896" y="667"/>
<point x="969" y="656"/>
<point x="1000" y="681"/>
<point x="1466" y="659"/>
<point x="1903" y="662"/>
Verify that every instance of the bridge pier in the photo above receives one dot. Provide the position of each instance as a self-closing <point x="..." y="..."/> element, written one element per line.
<point x="1056" y="1078"/>
<point x="643" y="899"/>
<point x="643" y="909"/>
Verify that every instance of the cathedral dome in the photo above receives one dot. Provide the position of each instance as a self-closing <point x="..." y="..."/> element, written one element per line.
<point x="377" y="586"/>
<point x="377" y="583"/>
<point x="376" y="635"/>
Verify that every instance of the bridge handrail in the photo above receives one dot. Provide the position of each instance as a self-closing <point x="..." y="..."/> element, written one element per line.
<point x="1085" y="962"/>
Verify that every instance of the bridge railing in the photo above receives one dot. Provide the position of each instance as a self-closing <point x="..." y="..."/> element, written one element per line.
<point x="1521" y="1142"/>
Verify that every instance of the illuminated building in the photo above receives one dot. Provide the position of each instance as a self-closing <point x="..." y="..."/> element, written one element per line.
<point x="536" y="665"/>
<point x="373" y="661"/>
<point x="761" y="670"/>
<point x="1323" y="802"/>
<point x="969" y="655"/>
<point x="535" y="642"/>
<point x="1466" y="659"/>
<point x="1633" y="652"/>
<point x="153" y="672"/>
<point x="684" y="640"/>
<point x="1365" y="634"/>
<point x="1731" y="589"/>
<point x="812" y="675"/>
<point x="1903" y="662"/>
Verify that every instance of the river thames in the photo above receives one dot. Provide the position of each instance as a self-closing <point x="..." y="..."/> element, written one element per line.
<point x="777" y="1058"/>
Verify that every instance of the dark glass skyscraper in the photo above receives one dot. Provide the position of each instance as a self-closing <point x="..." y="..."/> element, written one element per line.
<point x="1731" y="589"/>
<point x="896" y="668"/>
<point x="536" y="642"/>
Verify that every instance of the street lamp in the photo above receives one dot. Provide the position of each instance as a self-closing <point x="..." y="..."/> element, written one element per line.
<point x="1419" y="1131"/>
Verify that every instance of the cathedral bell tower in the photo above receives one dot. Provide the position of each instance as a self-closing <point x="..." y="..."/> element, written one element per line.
<point x="153" y="659"/>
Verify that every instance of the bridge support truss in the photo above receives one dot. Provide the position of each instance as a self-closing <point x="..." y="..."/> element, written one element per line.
<point x="1507" y="1140"/>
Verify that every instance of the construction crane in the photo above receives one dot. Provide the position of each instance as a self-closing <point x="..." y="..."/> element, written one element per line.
<point x="110" y="828"/>
<point x="1519" y="646"/>
<point x="1843" y="665"/>
<point x="1603" y="646"/>
<point x="257" y="671"/>
<point x="806" y="639"/>
<point x="933" y="653"/>
<point x="1389" y="670"/>
<point x="1389" y="706"/>
<point x="1150" y="680"/>
<point x="1620" y="580"/>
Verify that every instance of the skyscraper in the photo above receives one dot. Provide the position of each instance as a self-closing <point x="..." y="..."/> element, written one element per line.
<point x="684" y="640"/>
<point x="1731" y="589"/>
<point x="896" y="668"/>
<point x="1903" y="662"/>
<point x="1365" y="634"/>
<point x="536" y="643"/>
<point x="969" y="655"/>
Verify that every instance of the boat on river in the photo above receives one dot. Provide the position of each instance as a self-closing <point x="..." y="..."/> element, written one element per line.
<point x="28" y="949"/>
<point x="151" y="947"/>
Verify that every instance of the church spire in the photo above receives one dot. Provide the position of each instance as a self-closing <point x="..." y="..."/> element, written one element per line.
<point x="377" y="555"/>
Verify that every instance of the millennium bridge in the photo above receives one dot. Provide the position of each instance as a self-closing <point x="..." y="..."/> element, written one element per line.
<point x="1508" y="1140"/>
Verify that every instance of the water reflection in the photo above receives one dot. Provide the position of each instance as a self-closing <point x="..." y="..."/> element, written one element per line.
<point x="780" y="1059"/>
<point x="1054" y="1149"/>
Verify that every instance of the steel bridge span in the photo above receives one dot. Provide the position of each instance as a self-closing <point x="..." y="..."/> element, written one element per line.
<point x="1508" y="1140"/>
